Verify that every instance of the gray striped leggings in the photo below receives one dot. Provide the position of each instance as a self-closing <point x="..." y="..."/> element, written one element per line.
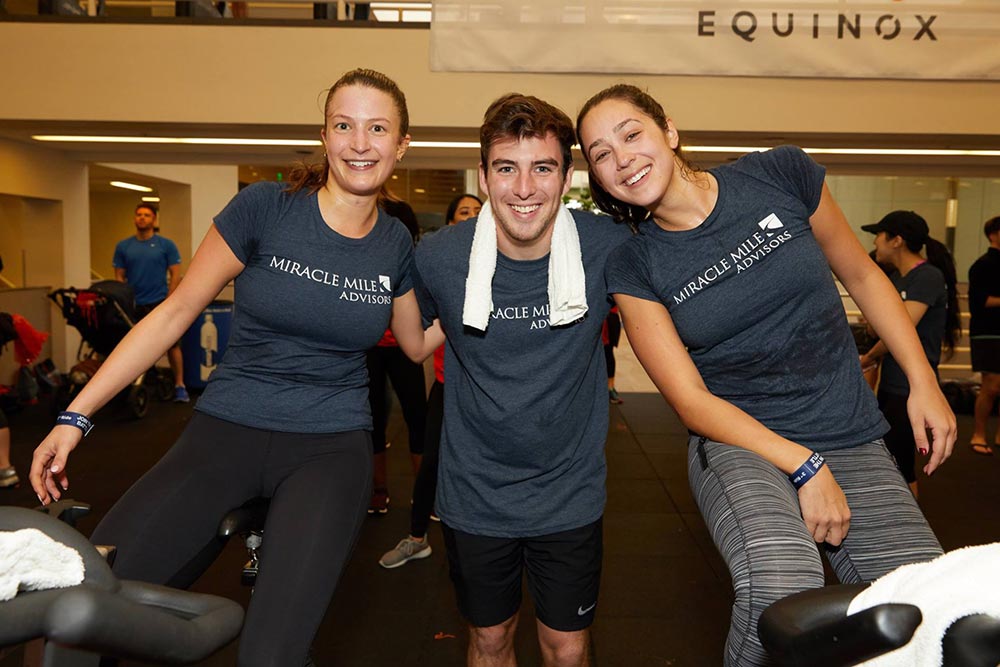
<point x="752" y="512"/>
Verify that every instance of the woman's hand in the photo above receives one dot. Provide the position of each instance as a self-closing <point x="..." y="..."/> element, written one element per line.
<point x="48" y="465"/>
<point x="929" y="412"/>
<point x="824" y="508"/>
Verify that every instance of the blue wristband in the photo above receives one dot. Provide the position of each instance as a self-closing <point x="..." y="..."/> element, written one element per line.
<point x="807" y="470"/>
<point x="77" y="420"/>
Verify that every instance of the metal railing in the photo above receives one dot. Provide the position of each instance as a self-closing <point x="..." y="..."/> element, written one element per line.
<point x="397" y="11"/>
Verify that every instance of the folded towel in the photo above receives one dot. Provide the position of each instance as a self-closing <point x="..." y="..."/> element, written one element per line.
<point x="567" y="285"/>
<point x="30" y="560"/>
<point x="959" y="583"/>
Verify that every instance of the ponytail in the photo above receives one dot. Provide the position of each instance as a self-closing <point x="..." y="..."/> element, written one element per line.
<point x="938" y="255"/>
<point x="310" y="177"/>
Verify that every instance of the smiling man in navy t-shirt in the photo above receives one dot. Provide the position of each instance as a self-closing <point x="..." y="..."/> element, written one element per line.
<point x="522" y="466"/>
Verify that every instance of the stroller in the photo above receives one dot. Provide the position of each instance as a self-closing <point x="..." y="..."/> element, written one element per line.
<point x="103" y="314"/>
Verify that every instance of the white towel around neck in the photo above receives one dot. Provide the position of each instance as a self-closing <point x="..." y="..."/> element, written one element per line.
<point x="567" y="280"/>
<point x="959" y="583"/>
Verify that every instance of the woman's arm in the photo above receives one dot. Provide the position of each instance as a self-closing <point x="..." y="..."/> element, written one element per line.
<point x="656" y="343"/>
<point x="884" y="310"/>
<point x="212" y="267"/>
<point x="407" y="327"/>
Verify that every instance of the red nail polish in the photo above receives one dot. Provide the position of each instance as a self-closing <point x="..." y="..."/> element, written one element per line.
<point x="923" y="451"/>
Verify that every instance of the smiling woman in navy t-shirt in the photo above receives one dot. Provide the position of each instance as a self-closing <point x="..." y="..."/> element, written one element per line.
<point x="729" y="303"/>
<point x="319" y="272"/>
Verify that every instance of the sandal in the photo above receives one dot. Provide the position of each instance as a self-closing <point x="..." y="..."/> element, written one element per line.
<point x="982" y="449"/>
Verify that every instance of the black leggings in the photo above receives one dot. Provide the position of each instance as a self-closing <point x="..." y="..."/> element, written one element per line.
<point x="614" y="324"/>
<point x="408" y="381"/>
<point x="319" y="485"/>
<point x="425" y="486"/>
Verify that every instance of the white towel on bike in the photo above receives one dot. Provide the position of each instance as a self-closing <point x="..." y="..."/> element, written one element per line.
<point x="567" y="279"/>
<point x="30" y="560"/>
<point x="959" y="583"/>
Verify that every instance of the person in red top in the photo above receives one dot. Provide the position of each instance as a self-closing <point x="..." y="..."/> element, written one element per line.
<point x="386" y="361"/>
<point x="610" y="335"/>
<point x="415" y="545"/>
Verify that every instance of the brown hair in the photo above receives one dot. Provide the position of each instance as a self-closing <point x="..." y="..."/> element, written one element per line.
<point x="517" y="116"/>
<point x="645" y="103"/>
<point x="313" y="177"/>
<point x="149" y="206"/>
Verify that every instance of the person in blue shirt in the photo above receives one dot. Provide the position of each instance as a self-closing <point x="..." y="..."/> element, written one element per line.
<point x="145" y="261"/>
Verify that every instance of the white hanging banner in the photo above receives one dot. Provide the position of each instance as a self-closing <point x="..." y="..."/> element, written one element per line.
<point x="887" y="39"/>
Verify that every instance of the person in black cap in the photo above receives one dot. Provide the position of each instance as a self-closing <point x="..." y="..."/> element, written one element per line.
<point x="927" y="287"/>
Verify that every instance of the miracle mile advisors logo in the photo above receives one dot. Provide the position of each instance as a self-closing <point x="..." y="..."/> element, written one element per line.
<point x="753" y="249"/>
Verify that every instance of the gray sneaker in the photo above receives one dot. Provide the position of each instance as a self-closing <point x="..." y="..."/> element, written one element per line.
<point x="408" y="549"/>
<point x="8" y="477"/>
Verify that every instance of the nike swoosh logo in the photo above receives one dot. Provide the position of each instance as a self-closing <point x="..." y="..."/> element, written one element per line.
<point x="581" y="611"/>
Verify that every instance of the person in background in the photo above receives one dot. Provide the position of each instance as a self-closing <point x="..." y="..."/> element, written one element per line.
<point x="151" y="265"/>
<point x="984" y="334"/>
<point x="415" y="546"/>
<point x="928" y="288"/>
<point x="27" y="343"/>
<point x="610" y="335"/>
<point x="387" y="363"/>
<point x="728" y="301"/>
<point x="8" y="475"/>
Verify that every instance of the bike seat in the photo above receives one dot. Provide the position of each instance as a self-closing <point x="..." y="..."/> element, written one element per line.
<point x="248" y="517"/>
<point x="107" y="616"/>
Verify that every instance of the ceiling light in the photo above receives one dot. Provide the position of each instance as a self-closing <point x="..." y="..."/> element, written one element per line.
<point x="151" y="200"/>
<point x="196" y="141"/>
<point x="910" y="152"/>
<point x="131" y="186"/>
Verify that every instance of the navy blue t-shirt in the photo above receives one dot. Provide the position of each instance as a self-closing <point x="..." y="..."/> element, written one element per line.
<point x="754" y="300"/>
<point x="924" y="284"/>
<point x="525" y="405"/>
<point x="308" y="304"/>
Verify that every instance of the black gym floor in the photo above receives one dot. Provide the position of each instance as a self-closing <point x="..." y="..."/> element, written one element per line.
<point x="665" y="592"/>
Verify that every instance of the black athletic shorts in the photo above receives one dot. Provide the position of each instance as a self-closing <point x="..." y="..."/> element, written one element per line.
<point x="985" y="355"/>
<point x="564" y="575"/>
<point x="145" y="309"/>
